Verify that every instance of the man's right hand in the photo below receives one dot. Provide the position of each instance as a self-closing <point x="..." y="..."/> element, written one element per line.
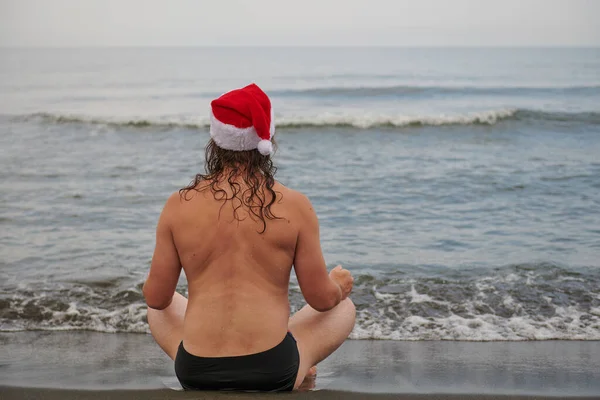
<point x="343" y="278"/>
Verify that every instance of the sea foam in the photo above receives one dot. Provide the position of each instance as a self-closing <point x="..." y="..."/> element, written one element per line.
<point x="514" y="303"/>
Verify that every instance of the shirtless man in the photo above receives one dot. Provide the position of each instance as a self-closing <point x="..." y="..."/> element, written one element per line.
<point x="237" y="233"/>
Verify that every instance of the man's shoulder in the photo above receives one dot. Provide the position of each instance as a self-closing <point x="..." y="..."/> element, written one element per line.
<point x="174" y="202"/>
<point x="291" y="195"/>
<point x="296" y="201"/>
<point x="174" y="199"/>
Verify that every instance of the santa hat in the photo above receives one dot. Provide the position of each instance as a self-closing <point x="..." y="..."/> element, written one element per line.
<point x="243" y="120"/>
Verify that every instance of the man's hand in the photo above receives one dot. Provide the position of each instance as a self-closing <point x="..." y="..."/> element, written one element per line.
<point x="343" y="278"/>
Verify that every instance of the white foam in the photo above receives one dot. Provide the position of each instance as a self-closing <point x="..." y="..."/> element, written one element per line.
<point x="490" y="309"/>
<point x="129" y="318"/>
<point x="369" y="120"/>
<point x="508" y="301"/>
<point x="392" y="320"/>
<point x="385" y="324"/>
<point x="361" y="120"/>
<point x="421" y="298"/>
<point x="566" y="324"/>
<point x="385" y="297"/>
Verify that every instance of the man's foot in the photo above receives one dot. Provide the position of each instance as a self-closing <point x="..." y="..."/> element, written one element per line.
<point x="310" y="379"/>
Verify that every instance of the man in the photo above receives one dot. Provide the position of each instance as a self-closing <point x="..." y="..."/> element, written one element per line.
<point x="237" y="232"/>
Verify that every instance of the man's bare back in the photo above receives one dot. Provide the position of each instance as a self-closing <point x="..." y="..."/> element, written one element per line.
<point x="237" y="276"/>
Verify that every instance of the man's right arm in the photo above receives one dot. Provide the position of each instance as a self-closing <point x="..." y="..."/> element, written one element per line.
<point x="320" y="291"/>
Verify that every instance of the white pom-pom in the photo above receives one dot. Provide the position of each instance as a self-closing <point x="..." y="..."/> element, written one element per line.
<point x="265" y="147"/>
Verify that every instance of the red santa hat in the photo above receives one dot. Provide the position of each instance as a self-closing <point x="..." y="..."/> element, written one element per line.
<point x="243" y="120"/>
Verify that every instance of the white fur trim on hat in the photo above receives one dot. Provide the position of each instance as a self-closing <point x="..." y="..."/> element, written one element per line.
<point x="230" y="137"/>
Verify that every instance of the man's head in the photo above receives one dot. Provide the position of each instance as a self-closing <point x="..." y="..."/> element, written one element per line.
<point x="241" y="130"/>
<point x="238" y="155"/>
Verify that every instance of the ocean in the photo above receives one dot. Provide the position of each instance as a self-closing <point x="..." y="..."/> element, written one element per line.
<point x="461" y="187"/>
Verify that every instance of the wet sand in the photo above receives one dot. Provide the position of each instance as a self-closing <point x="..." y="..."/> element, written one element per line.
<point x="69" y="365"/>
<point x="10" y="393"/>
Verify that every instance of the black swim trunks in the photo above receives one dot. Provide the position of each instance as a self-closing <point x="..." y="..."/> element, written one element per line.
<point x="272" y="370"/>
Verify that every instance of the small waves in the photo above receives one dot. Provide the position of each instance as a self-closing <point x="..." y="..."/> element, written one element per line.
<point x="66" y="119"/>
<point x="366" y="120"/>
<point x="101" y="308"/>
<point x="416" y="91"/>
<point x="514" y="303"/>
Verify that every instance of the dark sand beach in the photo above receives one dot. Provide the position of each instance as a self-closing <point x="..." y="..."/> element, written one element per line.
<point x="23" y="393"/>
<point x="74" y="365"/>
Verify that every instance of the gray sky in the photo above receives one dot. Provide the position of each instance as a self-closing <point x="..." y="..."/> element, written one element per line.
<point x="299" y="22"/>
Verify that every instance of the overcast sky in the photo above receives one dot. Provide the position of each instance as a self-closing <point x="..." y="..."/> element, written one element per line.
<point x="299" y="22"/>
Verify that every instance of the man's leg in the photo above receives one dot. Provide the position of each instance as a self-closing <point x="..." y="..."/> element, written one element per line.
<point x="320" y="333"/>
<point x="166" y="325"/>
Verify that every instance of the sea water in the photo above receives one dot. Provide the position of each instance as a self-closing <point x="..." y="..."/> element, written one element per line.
<point x="461" y="187"/>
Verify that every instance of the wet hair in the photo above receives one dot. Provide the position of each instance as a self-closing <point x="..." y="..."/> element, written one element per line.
<point x="224" y="167"/>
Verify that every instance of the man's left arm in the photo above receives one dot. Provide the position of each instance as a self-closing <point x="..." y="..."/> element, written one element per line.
<point x="165" y="269"/>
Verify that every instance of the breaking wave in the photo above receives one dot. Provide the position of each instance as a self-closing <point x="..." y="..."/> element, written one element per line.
<point x="331" y="120"/>
<point x="523" y="302"/>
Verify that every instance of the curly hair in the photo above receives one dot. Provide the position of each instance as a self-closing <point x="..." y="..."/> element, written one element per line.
<point x="257" y="172"/>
